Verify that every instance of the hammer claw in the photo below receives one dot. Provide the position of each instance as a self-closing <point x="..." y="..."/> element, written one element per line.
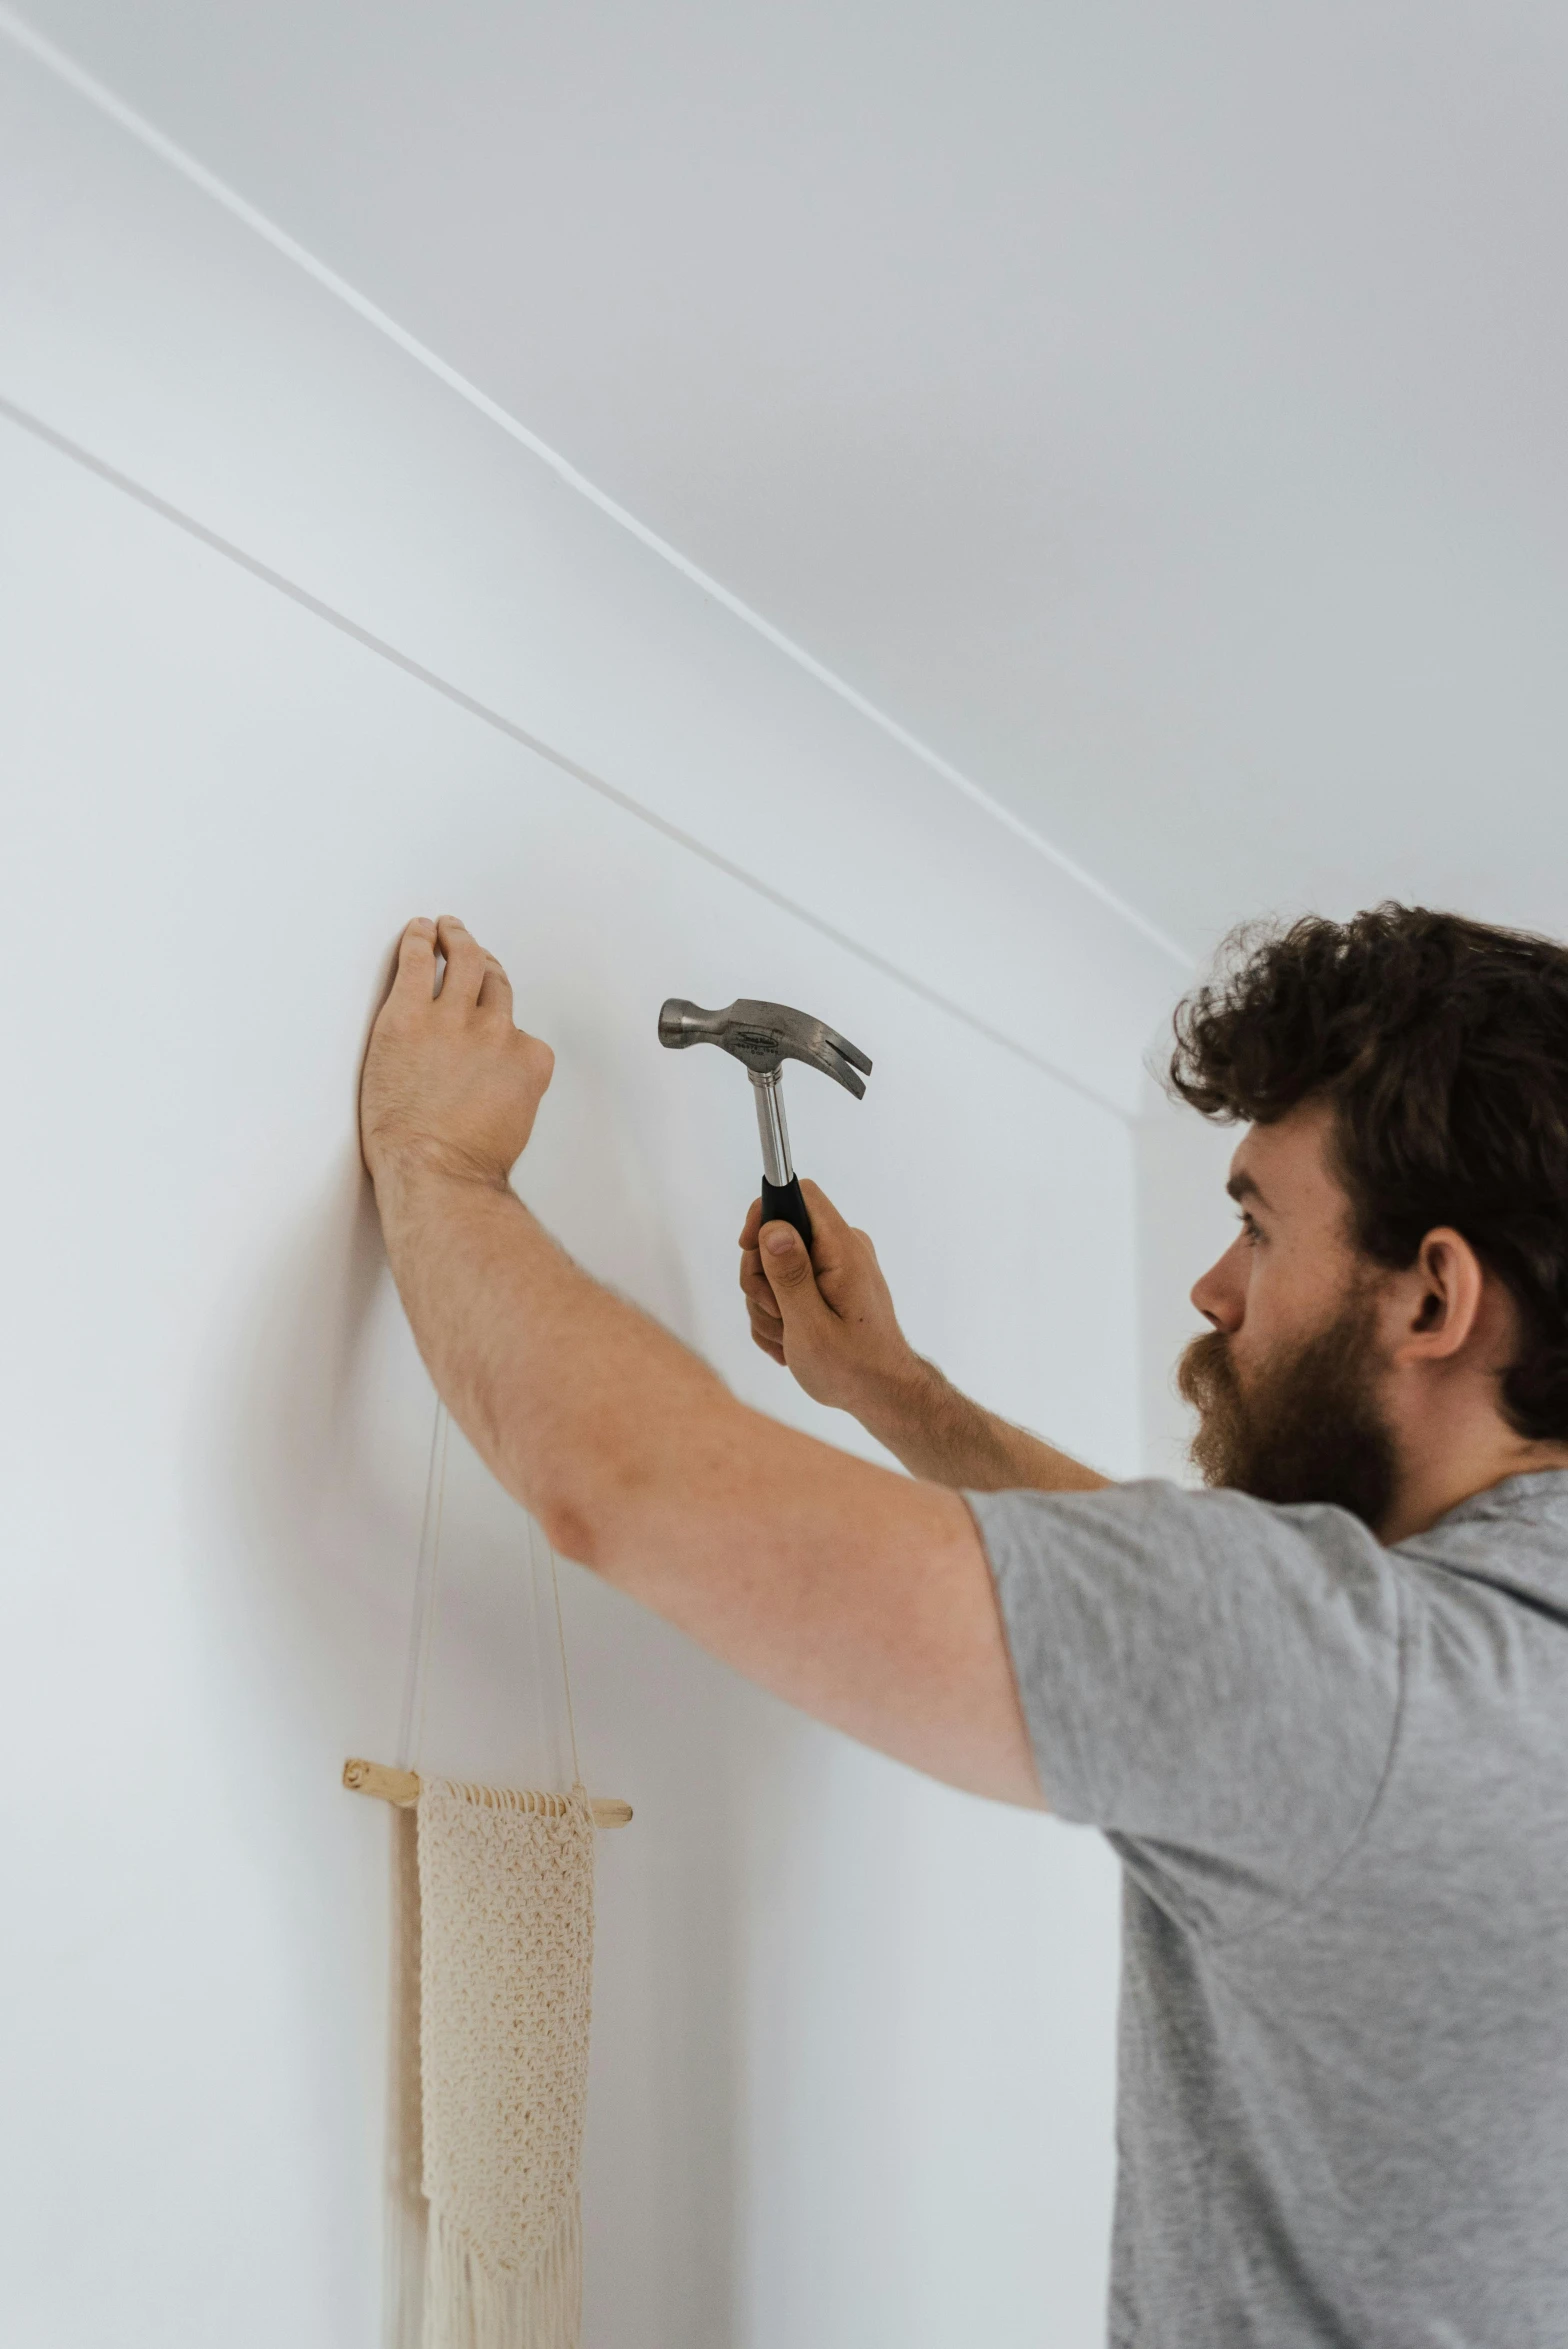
<point x="835" y="1063"/>
<point x="851" y="1052"/>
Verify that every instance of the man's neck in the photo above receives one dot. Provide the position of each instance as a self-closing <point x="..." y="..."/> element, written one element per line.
<point x="1437" y="1481"/>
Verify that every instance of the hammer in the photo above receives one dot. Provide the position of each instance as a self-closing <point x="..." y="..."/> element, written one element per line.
<point x="763" y="1036"/>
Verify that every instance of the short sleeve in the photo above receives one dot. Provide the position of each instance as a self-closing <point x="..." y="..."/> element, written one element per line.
<point x="1212" y="1680"/>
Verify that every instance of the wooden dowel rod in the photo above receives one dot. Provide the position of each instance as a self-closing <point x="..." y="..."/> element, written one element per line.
<point x="402" y="1788"/>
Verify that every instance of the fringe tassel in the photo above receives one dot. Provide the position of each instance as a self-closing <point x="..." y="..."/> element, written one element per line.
<point x="468" y="2306"/>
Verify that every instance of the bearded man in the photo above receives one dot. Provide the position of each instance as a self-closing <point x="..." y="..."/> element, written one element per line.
<point x="1320" y="1709"/>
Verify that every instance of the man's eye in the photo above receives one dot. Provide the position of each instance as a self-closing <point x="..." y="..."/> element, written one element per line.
<point x="1249" y="1231"/>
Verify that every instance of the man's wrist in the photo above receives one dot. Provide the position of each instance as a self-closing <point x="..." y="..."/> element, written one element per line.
<point x="417" y="1162"/>
<point x="899" y="1400"/>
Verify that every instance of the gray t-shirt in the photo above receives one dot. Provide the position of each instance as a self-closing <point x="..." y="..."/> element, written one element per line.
<point x="1337" y="1779"/>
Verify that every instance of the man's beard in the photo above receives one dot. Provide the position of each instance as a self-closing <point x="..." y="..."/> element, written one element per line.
<point x="1307" y="1427"/>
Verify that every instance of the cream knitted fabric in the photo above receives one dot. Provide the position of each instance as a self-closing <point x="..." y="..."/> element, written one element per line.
<point x="506" y="1926"/>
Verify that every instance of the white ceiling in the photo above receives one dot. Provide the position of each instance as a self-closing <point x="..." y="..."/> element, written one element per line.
<point x="1160" y="410"/>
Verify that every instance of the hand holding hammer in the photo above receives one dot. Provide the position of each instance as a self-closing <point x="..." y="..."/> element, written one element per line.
<point x="813" y="1287"/>
<point x="825" y="1313"/>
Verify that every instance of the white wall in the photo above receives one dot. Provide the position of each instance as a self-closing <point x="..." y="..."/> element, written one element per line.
<point x="281" y="613"/>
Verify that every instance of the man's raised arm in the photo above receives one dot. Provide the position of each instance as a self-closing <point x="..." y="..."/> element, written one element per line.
<point x="855" y="1594"/>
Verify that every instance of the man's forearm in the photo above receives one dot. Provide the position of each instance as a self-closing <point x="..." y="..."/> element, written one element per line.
<point x="567" y="1391"/>
<point x="940" y="1435"/>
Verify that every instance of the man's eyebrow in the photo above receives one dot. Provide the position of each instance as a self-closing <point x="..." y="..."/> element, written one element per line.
<point x="1242" y="1186"/>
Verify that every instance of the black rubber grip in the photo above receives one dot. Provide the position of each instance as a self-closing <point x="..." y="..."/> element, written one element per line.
<point x="786" y="1206"/>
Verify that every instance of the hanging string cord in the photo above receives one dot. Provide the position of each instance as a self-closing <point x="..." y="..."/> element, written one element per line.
<point x="416" y="1687"/>
<point x="427" y="1582"/>
<point x="566" y="1677"/>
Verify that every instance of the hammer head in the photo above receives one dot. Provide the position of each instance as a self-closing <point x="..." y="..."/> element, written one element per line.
<point x="764" y="1036"/>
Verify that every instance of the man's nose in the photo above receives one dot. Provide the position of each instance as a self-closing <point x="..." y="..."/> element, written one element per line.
<point x="1221" y="1295"/>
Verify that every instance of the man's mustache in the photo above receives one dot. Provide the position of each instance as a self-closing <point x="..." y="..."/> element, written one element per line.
<point x="1206" y="1380"/>
<point x="1206" y="1373"/>
<point x="1205" y="1361"/>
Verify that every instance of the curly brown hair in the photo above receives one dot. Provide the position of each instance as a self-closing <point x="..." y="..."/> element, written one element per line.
<point x="1442" y="1045"/>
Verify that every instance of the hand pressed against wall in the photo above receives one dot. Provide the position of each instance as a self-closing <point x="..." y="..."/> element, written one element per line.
<point x="447" y="1076"/>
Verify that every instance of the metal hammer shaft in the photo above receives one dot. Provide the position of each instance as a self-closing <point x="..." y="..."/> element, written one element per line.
<point x="772" y="1127"/>
<point x="782" y="1198"/>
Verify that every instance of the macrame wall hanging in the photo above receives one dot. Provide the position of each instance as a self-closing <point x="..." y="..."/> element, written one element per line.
<point x="505" y="1878"/>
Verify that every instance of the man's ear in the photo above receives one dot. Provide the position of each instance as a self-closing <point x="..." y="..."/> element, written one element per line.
<point x="1443" y="1294"/>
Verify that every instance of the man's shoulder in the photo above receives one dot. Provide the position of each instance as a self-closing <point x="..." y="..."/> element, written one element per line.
<point x="1157" y="1511"/>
